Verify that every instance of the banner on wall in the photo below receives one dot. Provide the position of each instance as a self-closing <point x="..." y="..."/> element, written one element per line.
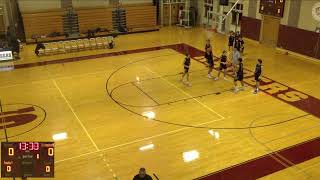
<point x="316" y="11"/>
<point x="6" y="55"/>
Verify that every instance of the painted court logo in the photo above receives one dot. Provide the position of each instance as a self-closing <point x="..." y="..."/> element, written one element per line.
<point x="20" y="118"/>
<point x="316" y="11"/>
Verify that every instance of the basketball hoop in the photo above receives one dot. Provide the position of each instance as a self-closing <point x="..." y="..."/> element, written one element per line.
<point x="214" y="24"/>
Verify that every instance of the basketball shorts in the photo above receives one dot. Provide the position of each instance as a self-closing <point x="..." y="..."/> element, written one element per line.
<point x="223" y="66"/>
<point x="257" y="77"/>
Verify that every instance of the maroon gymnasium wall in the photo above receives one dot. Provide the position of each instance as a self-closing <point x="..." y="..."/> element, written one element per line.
<point x="290" y="38"/>
<point x="250" y="28"/>
<point x="299" y="40"/>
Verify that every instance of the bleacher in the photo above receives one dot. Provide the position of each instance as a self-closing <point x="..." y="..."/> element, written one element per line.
<point x="41" y="24"/>
<point x="141" y="18"/>
<point x="94" y="18"/>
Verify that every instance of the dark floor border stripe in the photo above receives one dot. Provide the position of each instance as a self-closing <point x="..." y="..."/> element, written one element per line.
<point x="81" y="58"/>
<point x="265" y="165"/>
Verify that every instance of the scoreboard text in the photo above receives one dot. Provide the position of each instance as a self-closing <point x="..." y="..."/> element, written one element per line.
<point x="27" y="159"/>
<point x="272" y="7"/>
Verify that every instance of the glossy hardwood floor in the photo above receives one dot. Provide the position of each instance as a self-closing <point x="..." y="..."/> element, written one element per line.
<point x="100" y="104"/>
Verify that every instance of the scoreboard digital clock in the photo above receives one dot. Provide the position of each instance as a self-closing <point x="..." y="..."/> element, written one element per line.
<point x="27" y="159"/>
<point x="272" y="7"/>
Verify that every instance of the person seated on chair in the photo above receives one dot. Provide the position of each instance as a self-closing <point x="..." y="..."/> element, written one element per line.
<point x="38" y="47"/>
<point x="90" y="34"/>
<point x="142" y="175"/>
<point x="15" y="43"/>
<point x="111" y="43"/>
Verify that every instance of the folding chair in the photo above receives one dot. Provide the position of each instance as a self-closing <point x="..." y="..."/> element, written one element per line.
<point x="54" y="48"/>
<point x="67" y="46"/>
<point x="74" y="45"/>
<point x="99" y="42"/>
<point x="80" y="44"/>
<point x="86" y="44"/>
<point x="48" y="49"/>
<point x="105" y="42"/>
<point x="61" y="47"/>
<point x="93" y="43"/>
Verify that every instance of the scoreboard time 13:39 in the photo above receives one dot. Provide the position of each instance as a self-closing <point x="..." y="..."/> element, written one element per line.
<point x="27" y="159"/>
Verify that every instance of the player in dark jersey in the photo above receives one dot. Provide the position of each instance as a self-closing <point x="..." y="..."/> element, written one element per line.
<point x="231" y="40"/>
<point x="208" y="46"/>
<point x="186" y="66"/>
<point x="241" y="42"/>
<point x="209" y="57"/>
<point x="257" y="74"/>
<point x="239" y="76"/>
<point x="223" y="65"/>
<point x="237" y="44"/>
<point x="237" y="35"/>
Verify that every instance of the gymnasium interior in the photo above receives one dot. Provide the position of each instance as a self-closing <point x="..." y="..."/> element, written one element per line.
<point x="139" y="89"/>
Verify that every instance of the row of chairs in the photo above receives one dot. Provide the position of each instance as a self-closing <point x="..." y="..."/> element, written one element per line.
<point x="75" y="45"/>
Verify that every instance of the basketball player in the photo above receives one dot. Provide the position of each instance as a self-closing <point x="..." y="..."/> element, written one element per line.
<point x="237" y="43"/>
<point x="257" y="74"/>
<point x="186" y="66"/>
<point x="223" y="65"/>
<point x="209" y="57"/>
<point x="208" y="46"/>
<point x="231" y="40"/>
<point x="239" y="76"/>
<point x="235" y="59"/>
<point x="241" y="44"/>
<point x="237" y="35"/>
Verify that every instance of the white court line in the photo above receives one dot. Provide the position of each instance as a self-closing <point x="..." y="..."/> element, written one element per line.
<point x="72" y="110"/>
<point x="205" y="106"/>
<point x="138" y="140"/>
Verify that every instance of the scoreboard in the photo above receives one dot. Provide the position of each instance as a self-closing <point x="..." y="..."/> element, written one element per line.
<point x="27" y="159"/>
<point x="272" y="7"/>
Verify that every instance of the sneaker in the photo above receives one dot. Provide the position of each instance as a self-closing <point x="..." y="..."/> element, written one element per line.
<point x="255" y="92"/>
<point x="216" y="79"/>
<point x="187" y="83"/>
<point x="235" y="90"/>
<point x="209" y="76"/>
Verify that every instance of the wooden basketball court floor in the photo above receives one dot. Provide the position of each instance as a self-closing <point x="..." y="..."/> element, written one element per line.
<point x="100" y="97"/>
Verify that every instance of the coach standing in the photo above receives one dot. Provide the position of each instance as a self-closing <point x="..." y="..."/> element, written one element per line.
<point x="142" y="175"/>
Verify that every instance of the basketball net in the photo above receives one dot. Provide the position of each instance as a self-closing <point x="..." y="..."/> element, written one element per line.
<point x="213" y="24"/>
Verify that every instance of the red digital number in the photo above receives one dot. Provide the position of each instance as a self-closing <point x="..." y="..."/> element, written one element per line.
<point x="33" y="146"/>
<point x="36" y="146"/>
<point x="30" y="146"/>
<point x="22" y="146"/>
